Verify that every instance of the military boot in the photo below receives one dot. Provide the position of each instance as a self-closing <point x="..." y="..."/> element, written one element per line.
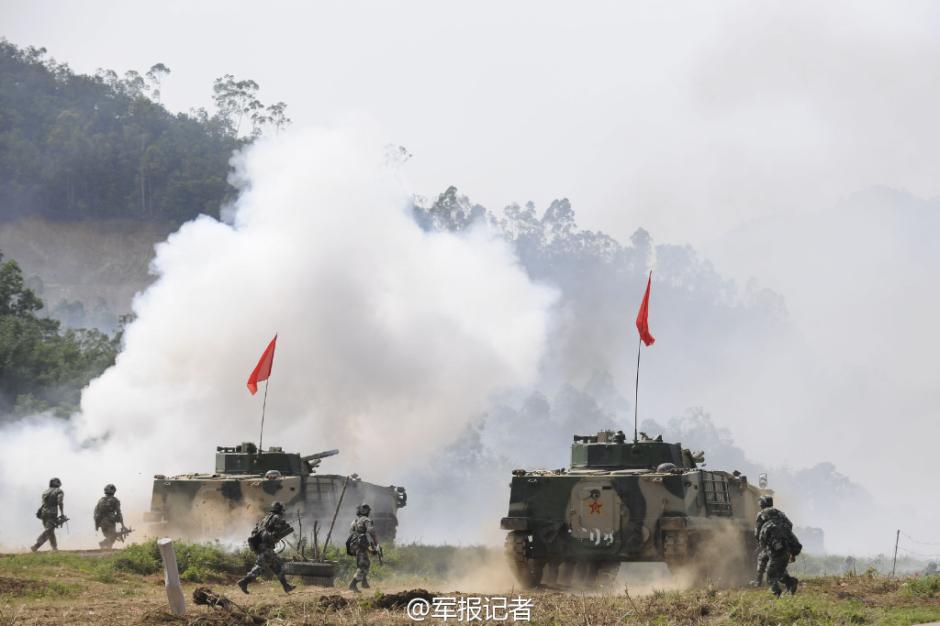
<point x="775" y="589"/>
<point x="365" y="583"/>
<point x="792" y="583"/>
<point x="353" y="587"/>
<point x="286" y="585"/>
<point x="243" y="583"/>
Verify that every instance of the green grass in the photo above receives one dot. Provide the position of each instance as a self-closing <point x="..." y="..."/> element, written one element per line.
<point x="834" y="564"/>
<point x="925" y="587"/>
<point x="197" y="563"/>
<point x="413" y="561"/>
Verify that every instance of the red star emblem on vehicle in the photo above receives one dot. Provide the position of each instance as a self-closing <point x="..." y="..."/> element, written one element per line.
<point x="595" y="507"/>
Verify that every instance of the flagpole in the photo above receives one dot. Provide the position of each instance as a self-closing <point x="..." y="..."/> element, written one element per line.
<point x="636" y="390"/>
<point x="264" y="404"/>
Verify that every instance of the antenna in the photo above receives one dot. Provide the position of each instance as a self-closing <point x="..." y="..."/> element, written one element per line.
<point x="636" y="391"/>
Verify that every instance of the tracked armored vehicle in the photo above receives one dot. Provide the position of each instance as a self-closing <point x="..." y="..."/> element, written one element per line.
<point x="247" y="481"/>
<point x="630" y="501"/>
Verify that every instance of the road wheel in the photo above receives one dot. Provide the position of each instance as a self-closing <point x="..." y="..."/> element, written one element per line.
<point x="528" y="571"/>
<point x="606" y="575"/>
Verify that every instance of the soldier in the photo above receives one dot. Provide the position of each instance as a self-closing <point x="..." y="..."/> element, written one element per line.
<point x="766" y="503"/>
<point x="107" y="516"/>
<point x="264" y="537"/>
<point x="931" y="569"/>
<point x="778" y="546"/>
<point x="52" y="514"/>
<point x="361" y="542"/>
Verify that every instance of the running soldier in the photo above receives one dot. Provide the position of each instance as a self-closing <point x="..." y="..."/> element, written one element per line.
<point x="778" y="547"/>
<point x="108" y="516"/>
<point x="264" y="537"/>
<point x="52" y="514"/>
<point x="361" y="542"/>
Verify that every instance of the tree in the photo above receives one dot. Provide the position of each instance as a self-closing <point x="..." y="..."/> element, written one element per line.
<point x="154" y="79"/>
<point x="277" y="116"/>
<point x="235" y="100"/>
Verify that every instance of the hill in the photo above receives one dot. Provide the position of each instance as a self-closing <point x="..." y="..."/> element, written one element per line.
<point x="87" y="272"/>
<point x="74" y="146"/>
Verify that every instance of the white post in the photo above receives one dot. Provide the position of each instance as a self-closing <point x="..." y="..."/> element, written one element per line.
<point x="174" y="591"/>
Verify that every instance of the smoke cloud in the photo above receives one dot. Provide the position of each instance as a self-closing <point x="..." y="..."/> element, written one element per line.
<point x="390" y="338"/>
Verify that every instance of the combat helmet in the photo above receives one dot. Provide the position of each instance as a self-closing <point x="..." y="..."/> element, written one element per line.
<point x="55" y="482"/>
<point x="277" y="507"/>
<point x="766" y="502"/>
<point x="363" y="509"/>
<point x="109" y="489"/>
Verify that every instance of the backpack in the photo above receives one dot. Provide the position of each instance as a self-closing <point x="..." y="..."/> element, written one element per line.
<point x="254" y="540"/>
<point x="257" y="537"/>
<point x="777" y="534"/>
<point x="355" y="542"/>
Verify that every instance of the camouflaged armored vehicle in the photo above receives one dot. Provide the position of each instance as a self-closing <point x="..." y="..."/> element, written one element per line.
<point x="641" y="501"/>
<point x="247" y="481"/>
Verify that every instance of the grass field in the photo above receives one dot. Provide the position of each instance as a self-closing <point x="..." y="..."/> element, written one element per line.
<point x="126" y="587"/>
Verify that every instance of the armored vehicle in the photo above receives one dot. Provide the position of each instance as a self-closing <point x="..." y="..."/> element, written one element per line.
<point x="639" y="501"/>
<point x="247" y="481"/>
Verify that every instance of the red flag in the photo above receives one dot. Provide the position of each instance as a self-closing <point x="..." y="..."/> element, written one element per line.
<point x="642" y="318"/>
<point x="263" y="369"/>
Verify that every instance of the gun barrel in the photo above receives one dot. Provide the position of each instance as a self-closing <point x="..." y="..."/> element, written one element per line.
<point x="320" y="455"/>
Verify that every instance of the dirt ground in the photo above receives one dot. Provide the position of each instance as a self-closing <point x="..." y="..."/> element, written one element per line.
<point x="144" y="602"/>
<point x="78" y="591"/>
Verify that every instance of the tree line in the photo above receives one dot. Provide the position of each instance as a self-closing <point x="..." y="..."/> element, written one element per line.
<point x="77" y="146"/>
<point x="43" y="367"/>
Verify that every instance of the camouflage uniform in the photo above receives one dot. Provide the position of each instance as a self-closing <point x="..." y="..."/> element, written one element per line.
<point x="53" y="501"/>
<point x="267" y="531"/>
<point x="778" y="545"/>
<point x="762" y="558"/>
<point x="362" y="539"/>
<point x="107" y="516"/>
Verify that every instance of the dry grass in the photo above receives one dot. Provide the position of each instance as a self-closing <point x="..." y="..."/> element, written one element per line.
<point x="44" y="590"/>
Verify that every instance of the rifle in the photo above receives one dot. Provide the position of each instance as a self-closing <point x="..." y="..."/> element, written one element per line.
<point x="123" y="533"/>
<point x="378" y="552"/>
<point x="60" y="521"/>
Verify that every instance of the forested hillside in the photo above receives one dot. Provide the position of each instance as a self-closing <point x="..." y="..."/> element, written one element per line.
<point x="74" y="146"/>
<point x="41" y="366"/>
<point x="102" y="153"/>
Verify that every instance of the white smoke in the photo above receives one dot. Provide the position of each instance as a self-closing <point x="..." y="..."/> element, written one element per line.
<point x="390" y="338"/>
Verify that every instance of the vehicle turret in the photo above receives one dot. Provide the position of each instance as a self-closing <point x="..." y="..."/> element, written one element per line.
<point x="610" y="450"/>
<point x="245" y="458"/>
